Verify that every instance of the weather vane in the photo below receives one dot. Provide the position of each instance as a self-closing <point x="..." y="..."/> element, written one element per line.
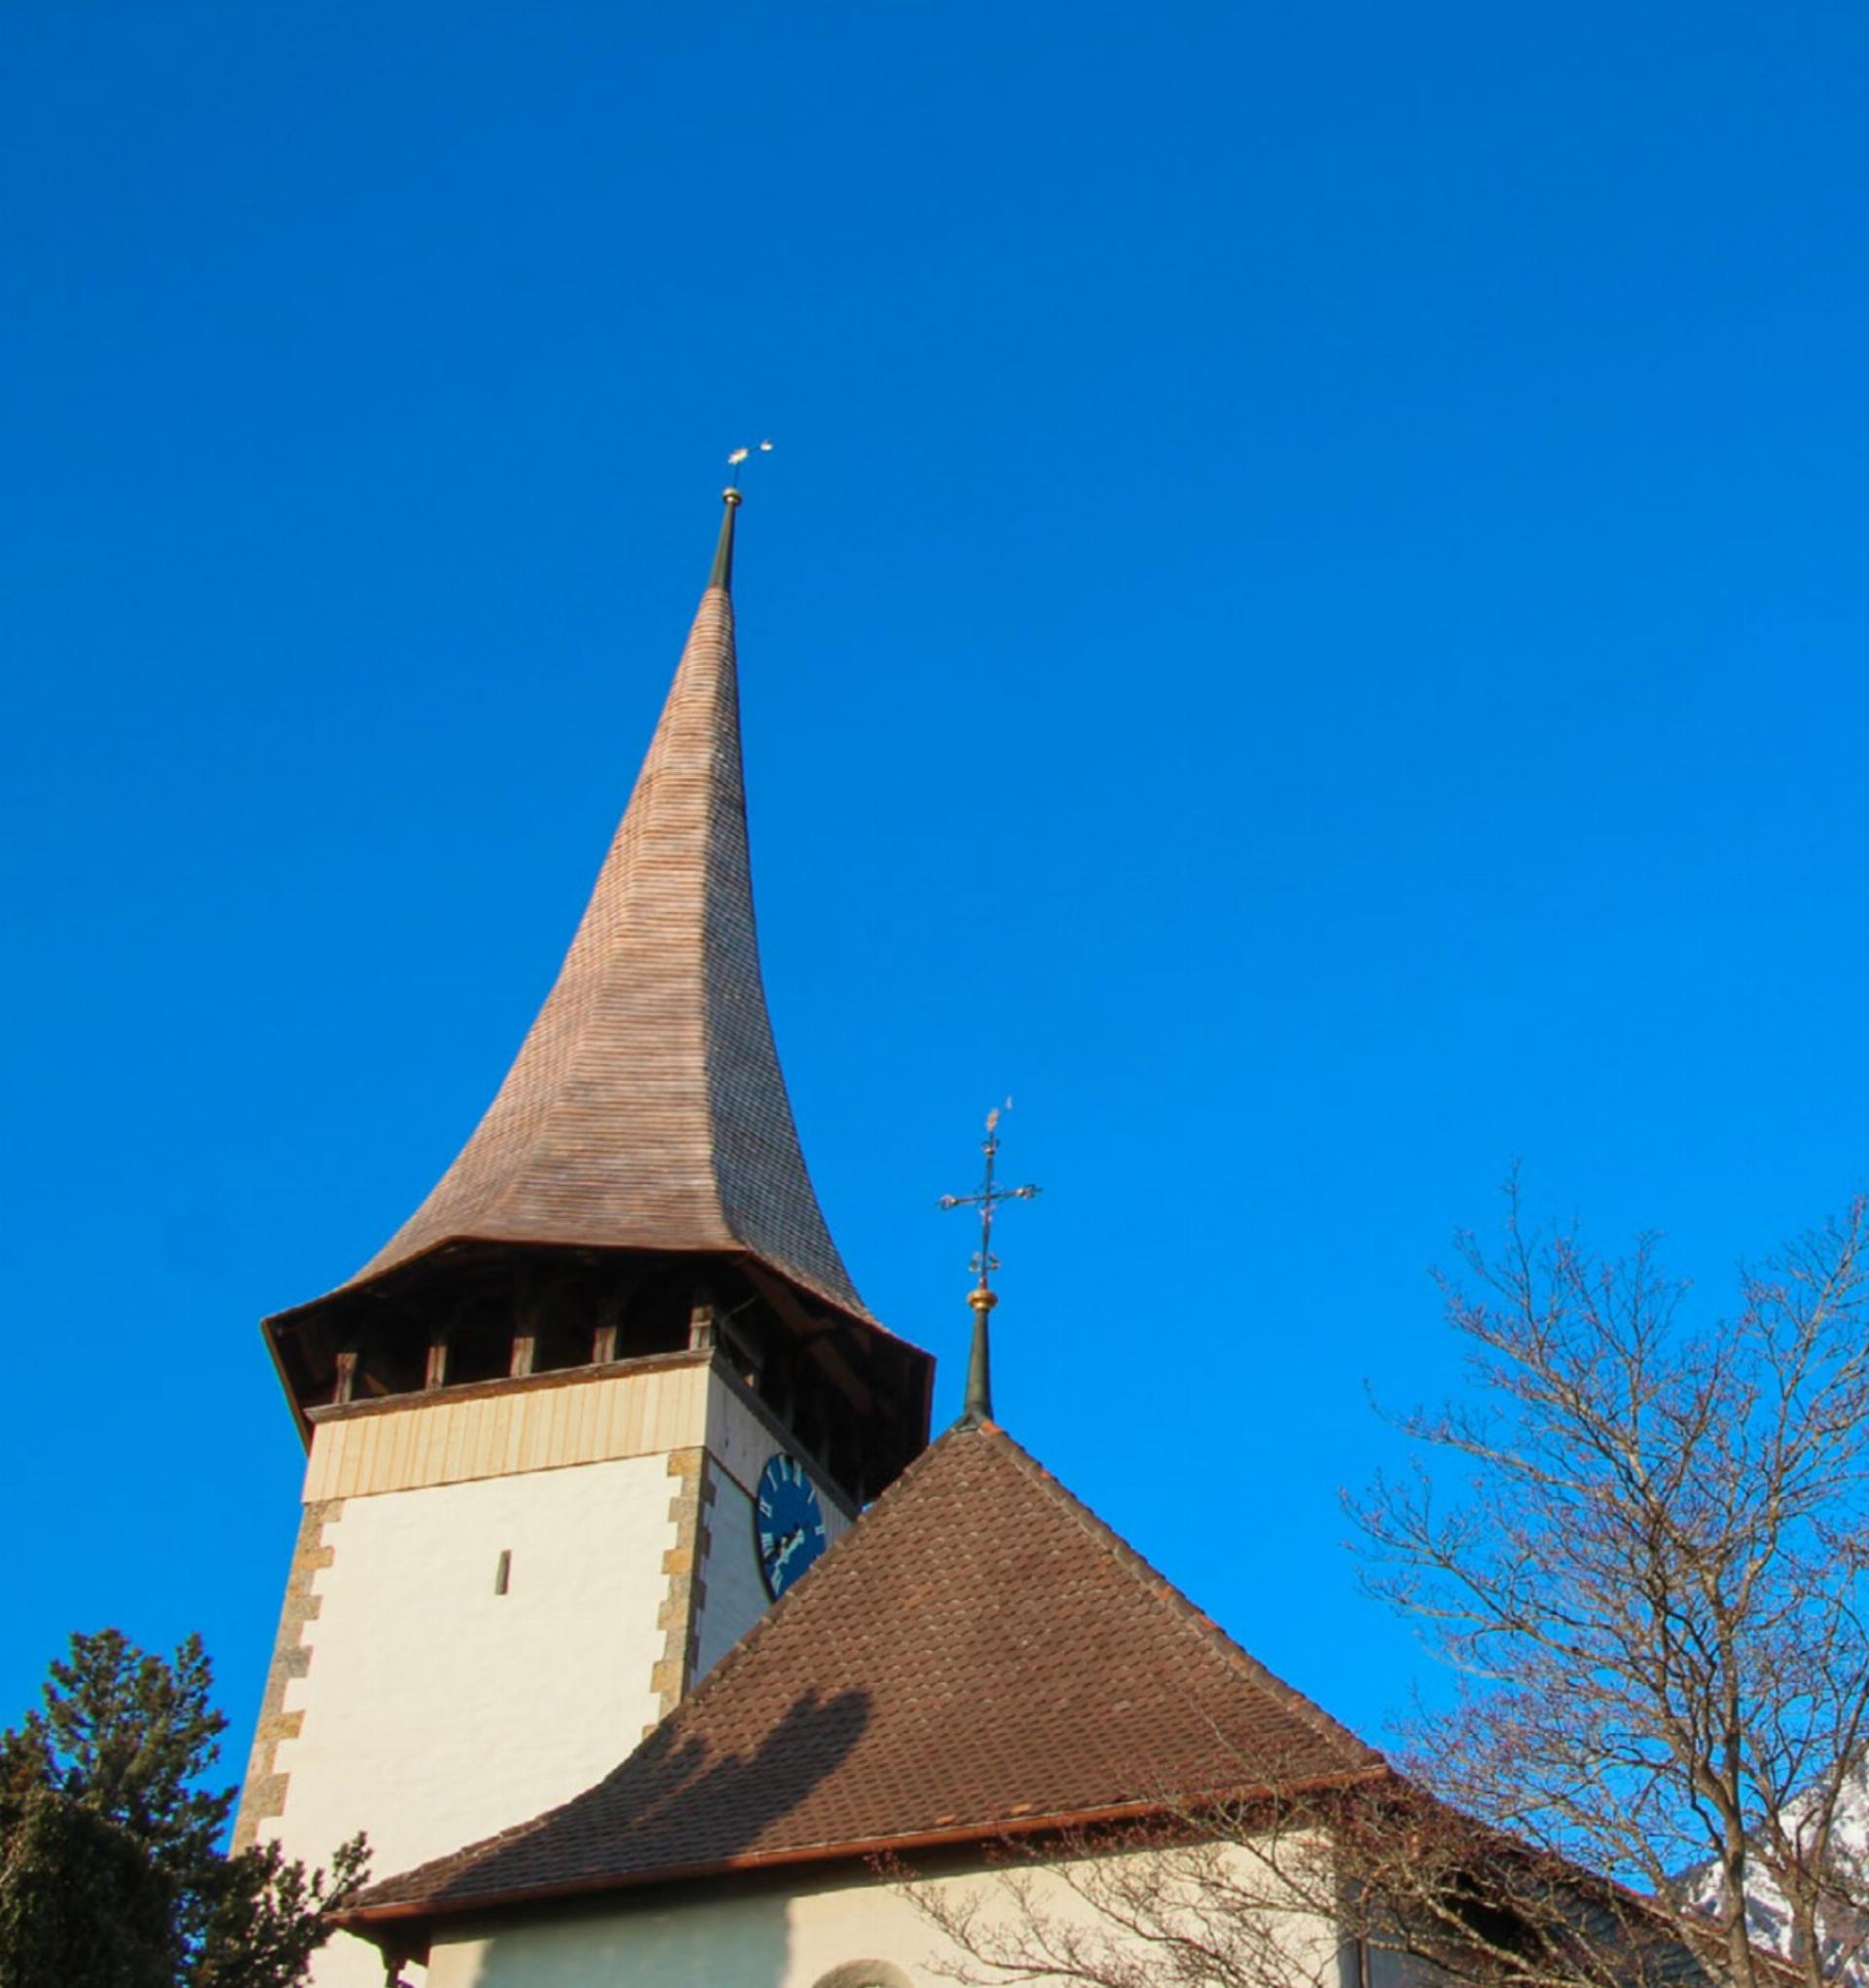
<point x="737" y="457"/>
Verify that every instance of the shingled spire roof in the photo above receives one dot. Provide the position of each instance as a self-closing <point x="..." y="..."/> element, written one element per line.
<point x="646" y="1109"/>
<point x="980" y="1654"/>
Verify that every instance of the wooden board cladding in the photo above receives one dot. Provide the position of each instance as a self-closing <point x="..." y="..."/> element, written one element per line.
<point x="439" y="1439"/>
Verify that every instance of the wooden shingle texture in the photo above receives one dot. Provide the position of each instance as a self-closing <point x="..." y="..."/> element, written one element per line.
<point x="978" y="1652"/>
<point x="646" y="1109"/>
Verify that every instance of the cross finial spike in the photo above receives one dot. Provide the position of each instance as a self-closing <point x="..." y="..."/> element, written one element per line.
<point x="978" y="1407"/>
<point x="721" y="575"/>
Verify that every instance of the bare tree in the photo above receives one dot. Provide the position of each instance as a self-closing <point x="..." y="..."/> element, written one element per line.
<point x="1642" y="1544"/>
<point x="1649" y="1581"/>
<point x="1337" y="1887"/>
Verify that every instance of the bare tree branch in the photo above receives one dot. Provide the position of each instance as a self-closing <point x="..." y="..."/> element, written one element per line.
<point x="1652" y="1583"/>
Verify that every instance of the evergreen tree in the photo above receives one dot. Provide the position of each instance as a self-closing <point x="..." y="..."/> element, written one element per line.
<point x="111" y="1869"/>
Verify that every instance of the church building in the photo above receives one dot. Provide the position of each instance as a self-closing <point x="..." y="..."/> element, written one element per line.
<point x="633" y="1613"/>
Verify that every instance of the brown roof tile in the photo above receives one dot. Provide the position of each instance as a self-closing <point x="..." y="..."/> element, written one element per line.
<point x="646" y="1109"/>
<point x="981" y="1651"/>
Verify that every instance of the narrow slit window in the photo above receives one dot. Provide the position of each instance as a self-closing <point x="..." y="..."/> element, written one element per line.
<point x="503" y="1570"/>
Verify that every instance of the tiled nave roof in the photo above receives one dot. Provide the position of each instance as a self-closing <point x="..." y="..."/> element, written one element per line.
<point x="980" y="1653"/>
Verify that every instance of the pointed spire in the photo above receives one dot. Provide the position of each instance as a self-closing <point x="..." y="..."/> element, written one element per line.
<point x="646" y="1109"/>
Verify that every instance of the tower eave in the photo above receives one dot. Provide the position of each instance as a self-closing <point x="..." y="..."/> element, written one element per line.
<point x="885" y="1376"/>
<point x="661" y="1242"/>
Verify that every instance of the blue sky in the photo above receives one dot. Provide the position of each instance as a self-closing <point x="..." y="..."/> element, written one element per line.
<point x="1306" y="621"/>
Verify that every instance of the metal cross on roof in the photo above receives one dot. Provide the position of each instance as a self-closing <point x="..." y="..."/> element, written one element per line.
<point x="988" y="1199"/>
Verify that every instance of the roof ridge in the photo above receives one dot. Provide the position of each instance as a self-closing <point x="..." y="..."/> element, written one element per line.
<point x="760" y="1632"/>
<point x="1160" y="1587"/>
<point x="584" y="1047"/>
<point x="520" y="1119"/>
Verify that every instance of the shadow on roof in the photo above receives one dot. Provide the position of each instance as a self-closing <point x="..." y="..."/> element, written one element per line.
<point x="675" y="1802"/>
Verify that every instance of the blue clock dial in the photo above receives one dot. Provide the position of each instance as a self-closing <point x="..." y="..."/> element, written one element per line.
<point x="788" y="1522"/>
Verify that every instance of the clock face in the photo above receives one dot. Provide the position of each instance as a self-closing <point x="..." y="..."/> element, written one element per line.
<point x="788" y="1522"/>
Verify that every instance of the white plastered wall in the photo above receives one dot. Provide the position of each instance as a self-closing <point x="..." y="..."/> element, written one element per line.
<point x="755" y="1938"/>
<point x="436" y="1711"/>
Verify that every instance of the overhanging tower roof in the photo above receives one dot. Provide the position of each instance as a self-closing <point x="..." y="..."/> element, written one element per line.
<point x="646" y="1109"/>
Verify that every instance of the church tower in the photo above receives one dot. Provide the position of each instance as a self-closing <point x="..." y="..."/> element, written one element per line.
<point x="607" y="1392"/>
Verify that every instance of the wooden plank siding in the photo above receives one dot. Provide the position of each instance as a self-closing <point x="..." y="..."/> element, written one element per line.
<point x="431" y="1439"/>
